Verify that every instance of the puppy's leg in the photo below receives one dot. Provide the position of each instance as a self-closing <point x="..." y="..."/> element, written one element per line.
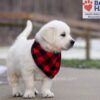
<point x="29" y="83"/>
<point x="46" y="88"/>
<point x="14" y="82"/>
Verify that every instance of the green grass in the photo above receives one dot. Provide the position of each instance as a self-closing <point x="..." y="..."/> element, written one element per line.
<point x="81" y="63"/>
<point x="75" y="63"/>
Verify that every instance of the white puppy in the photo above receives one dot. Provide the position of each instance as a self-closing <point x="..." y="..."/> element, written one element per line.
<point x="52" y="37"/>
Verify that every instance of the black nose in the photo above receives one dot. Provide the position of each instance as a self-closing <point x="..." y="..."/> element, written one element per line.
<point x="72" y="42"/>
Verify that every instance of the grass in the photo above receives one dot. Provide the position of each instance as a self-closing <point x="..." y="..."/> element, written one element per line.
<point x="81" y="63"/>
<point x="75" y="63"/>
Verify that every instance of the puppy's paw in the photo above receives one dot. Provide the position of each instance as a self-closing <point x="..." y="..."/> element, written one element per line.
<point x="29" y="95"/>
<point x="36" y="91"/>
<point x="47" y="94"/>
<point x="17" y="94"/>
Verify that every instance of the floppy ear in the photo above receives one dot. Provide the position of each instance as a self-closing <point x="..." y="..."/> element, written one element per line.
<point x="49" y="34"/>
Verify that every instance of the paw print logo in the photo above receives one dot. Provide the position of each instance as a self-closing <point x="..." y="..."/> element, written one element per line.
<point x="87" y="5"/>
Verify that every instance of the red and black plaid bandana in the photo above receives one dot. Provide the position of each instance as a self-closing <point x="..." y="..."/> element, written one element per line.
<point x="48" y="62"/>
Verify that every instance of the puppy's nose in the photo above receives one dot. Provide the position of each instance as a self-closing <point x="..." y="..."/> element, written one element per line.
<point x="72" y="42"/>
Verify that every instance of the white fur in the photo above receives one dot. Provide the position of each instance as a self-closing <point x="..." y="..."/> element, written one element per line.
<point x="20" y="61"/>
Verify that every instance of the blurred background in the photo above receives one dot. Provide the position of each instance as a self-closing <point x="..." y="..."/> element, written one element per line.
<point x="79" y="74"/>
<point x="15" y="13"/>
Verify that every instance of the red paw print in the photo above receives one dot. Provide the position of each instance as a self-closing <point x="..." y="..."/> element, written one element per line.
<point x="87" y="5"/>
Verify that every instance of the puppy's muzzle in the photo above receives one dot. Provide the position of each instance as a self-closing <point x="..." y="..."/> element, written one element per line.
<point x="71" y="43"/>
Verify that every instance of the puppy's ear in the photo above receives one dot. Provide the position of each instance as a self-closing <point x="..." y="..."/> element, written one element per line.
<point x="49" y="34"/>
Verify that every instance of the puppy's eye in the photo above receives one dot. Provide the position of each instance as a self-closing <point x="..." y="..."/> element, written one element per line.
<point x="63" y="34"/>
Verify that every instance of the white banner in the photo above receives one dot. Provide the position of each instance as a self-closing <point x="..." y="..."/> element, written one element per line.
<point x="91" y="9"/>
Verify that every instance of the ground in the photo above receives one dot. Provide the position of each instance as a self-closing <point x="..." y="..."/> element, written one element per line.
<point x="70" y="84"/>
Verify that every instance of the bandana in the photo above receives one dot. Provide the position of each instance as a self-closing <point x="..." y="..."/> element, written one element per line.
<point x="48" y="62"/>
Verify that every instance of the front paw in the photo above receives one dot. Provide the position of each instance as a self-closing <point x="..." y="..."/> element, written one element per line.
<point x="47" y="94"/>
<point x="17" y="94"/>
<point x="29" y="95"/>
<point x="36" y="92"/>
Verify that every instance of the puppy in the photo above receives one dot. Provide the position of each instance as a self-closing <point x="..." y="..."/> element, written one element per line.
<point x="41" y="56"/>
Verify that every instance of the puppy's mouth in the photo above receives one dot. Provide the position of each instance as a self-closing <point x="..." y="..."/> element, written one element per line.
<point x="68" y="47"/>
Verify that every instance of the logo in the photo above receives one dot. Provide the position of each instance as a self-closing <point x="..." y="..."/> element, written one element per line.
<point x="91" y="9"/>
<point x="87" y="5"/>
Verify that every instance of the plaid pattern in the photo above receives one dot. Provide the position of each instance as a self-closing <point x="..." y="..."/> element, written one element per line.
<point x="48" y="62"/>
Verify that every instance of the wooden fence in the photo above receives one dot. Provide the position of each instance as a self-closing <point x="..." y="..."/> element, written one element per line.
<point x="80" y="28"/>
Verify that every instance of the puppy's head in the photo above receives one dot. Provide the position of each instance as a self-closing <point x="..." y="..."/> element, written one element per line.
<point x="55" y="36"/>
